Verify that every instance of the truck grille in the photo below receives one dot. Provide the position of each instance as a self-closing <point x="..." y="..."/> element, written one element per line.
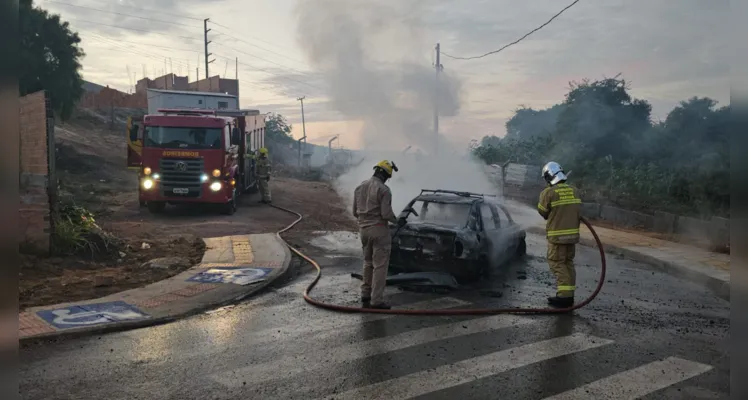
<point x="181" y="174"/>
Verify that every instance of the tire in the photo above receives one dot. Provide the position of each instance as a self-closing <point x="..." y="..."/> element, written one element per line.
<point x="156" y="207"/>
<point x="522" y="248"/>
<point x="230" y="207"/>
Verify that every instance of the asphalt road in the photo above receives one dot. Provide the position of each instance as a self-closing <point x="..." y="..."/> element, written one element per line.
<point x="647" y="336"/>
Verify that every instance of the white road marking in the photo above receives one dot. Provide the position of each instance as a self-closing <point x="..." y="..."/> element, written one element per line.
<point x="286" y="324"/>
<point x="637" y="382"/>
<point x="446" y="376"/>
<point x="288" y="366"/>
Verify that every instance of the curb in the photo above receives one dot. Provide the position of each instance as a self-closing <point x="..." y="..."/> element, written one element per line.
<point x="149" y="322"/>
<point x="719" y="287"/>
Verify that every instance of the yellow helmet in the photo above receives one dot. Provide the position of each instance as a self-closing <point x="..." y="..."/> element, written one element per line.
<point x="264" y="151"/>
<point x="386" y="166"/>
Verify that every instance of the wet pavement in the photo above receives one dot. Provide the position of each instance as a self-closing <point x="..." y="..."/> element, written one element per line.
<point x="647" y="335"/>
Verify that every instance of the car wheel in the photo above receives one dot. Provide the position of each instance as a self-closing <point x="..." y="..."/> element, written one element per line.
<point x="522" y="248"/>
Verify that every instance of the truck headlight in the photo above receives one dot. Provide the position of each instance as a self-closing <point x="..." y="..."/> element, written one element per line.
<point x="147" y="183"/>
<point x="215" y="186"/>
<point x="216" y="173"/>
<point x="147" y="170"/>
<point x="204" y="178"/>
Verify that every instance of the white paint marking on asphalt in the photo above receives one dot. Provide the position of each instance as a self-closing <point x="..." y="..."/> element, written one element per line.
<point x="446" y="376"/>
<point x="288" y="366"/>
<point x="637" y="382"/>
<point x="284" y="327"/>
<point x="326" y="321"/>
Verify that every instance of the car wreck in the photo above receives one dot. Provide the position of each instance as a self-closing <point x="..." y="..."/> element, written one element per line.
<point x="459" y="233"/>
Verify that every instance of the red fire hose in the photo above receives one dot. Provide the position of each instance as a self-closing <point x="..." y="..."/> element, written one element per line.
<point x="445" y="312"/>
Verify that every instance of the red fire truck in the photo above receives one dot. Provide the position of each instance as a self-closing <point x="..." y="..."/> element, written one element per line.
<point x="195" y="156"/>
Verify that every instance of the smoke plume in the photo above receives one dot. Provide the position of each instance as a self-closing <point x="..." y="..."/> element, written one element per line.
<point x="375" y="59"/>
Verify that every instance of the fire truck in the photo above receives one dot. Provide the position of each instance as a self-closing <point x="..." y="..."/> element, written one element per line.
<point x="195" y="156"/>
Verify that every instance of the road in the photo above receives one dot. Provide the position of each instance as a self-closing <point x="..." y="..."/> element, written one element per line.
<point x="647" y="336"/>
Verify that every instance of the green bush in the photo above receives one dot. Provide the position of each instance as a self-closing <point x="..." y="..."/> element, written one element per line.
<point x="76" y="233"/>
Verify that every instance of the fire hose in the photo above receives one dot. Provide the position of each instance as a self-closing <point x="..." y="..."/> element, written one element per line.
<point x="444" y="312"/>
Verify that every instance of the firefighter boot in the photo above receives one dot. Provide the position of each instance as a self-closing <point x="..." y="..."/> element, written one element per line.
<point x="561" y="302"/>
<point x="366" y="302"/>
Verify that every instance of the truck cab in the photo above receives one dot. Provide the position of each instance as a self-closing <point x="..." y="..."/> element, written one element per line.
<point x="195" y="156"/>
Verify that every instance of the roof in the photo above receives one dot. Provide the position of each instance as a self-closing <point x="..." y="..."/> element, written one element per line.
<point x="447" y="198"/>
<point x="92" y="87"/>
<point x="193" y="93"/>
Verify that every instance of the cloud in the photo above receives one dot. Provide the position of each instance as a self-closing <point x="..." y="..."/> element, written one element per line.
<point x="669" y="51"/>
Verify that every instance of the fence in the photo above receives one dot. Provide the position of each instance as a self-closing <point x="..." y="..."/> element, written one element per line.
<point x="524" y="183"/>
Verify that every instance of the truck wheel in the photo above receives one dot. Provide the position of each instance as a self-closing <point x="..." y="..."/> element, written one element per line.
<point x="156" y="207"/>
<point x="230" y="207"/>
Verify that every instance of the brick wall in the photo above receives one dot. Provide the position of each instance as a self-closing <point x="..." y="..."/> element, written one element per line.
<point x="34" y="210"/>
<point x="107" y="98"/>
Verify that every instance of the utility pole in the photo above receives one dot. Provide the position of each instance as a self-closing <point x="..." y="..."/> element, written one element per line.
<point x="205" y="31"/>
<point x="303" y="126"/>
<point x="238" y="101"/>
<point x="438" y="67"/>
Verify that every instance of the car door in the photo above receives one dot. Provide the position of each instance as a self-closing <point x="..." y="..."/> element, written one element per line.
<point x="509" y="230"/>
<point x="491" y="232"/>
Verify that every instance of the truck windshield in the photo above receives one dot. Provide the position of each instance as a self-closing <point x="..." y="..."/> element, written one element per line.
<point x="183" y="137"/>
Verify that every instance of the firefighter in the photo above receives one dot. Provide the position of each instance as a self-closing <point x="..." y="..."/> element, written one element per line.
<point x="263" y="169"/>
<point x="561" y="206"/>
<point x="372" y="207"/>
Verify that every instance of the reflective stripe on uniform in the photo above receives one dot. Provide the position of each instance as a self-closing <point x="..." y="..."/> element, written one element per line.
<point x="565" y="202"/>
<point x="566" y="288"/>
<point x="564" y="232"/>
<point x="541" y="208"/>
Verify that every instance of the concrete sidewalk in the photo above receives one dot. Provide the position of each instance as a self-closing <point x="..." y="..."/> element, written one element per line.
<point x="233" y="268"/>
<point x="691" y="263"/>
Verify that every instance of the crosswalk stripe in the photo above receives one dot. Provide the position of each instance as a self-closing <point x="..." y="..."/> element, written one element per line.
<point x="284" y="327"/>
<point x="289" y="365"/>
<point x="342" y="321"/>
<point x="446" y="376"/>
<point x="637" y="382"/>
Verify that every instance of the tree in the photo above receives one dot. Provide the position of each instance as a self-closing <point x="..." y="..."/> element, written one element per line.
<point x="278" y="129"/>
<point x="50" y="56"/>
<point x="680" y="165"/>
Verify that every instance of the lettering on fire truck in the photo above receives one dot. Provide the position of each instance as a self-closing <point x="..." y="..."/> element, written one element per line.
<point x="177" y="153"/>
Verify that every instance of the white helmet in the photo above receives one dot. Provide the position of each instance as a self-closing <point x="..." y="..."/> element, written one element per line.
<point x="553" y="173"/>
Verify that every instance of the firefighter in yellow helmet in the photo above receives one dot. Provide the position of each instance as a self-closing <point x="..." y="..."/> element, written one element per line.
<point x="372" y="207"/>
<point x="263" y="169"/>
<point x="561" y="207"/>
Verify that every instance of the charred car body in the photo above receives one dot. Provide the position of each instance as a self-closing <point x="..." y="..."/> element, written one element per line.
<point x="458" y="233"/>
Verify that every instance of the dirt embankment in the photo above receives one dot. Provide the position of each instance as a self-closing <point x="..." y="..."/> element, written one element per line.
<point x="92" y="171"/>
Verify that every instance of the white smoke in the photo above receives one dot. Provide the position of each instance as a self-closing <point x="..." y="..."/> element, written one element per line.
<point x="376" y="63"/>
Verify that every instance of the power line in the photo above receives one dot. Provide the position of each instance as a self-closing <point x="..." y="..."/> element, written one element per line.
<point x="122" y="14"/>
<point x="516" y="41"/>
<point x="260" y="58"/>
<point x="132" y="29"/>
<point x="142" y="9"/>
<point x="259" y="47"/>
<point x="272" y="73"/>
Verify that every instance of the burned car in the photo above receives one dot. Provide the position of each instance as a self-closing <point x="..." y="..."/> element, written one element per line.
<point x="460" y="233"/>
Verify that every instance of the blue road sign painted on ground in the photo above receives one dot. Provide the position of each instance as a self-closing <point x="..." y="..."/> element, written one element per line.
<point x="235" y="275"/>
<point x="91" y="314"/>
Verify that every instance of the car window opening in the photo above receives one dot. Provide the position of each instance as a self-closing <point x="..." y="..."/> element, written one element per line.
<point x="442" y="214"/>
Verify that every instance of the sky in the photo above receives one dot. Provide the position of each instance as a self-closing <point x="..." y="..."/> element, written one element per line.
<point x="668" y="51"/>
